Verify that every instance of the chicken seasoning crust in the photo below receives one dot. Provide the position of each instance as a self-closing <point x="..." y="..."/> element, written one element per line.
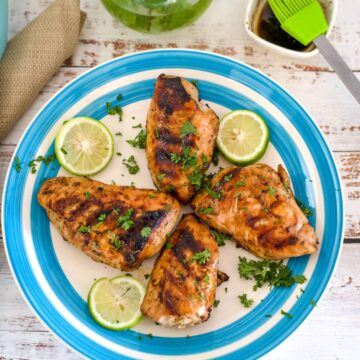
<point x="256" y="206"/>
<point x="181" y="134"/>
<point x="115" y="225"/>
<point x="182" y="285"/>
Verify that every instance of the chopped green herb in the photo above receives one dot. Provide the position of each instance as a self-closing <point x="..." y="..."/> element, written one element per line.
<point x="240" y="183"/>
<point x="146" y="276"/>
<point x="124" y="220"/>
<point x="202" y="296"/>
<point x="221" y="237"/>
<point x="288" y="315"/>
<point x="180" y="273"/>
<point x="313" y="302"/>
<point x="157" y="133"/>
<point x="201" y="257"/>
<point x="195" y="82"/>
<point x="196" y="179"/>
<point x="216" y="303"/>
<point x="262" y="177"/>
<point x="139" y="141"/>
<point x="119" y="133"/>
<point x="227" y="177"/>
<point x="17" y="164"/>
<point x="189" y="160"/>
<point x="150" y="335"/>
<point x="115" y="110"/>
<point x="115" y="240"/>
<point x="131" y="165"/>
<point x="245" y="301"/>
<point x="63" y="150"/>
<point x="152" y="196"/>
<point x="206" y="211"/>
<point x="244" y="208"/>
<point x="102" y="218"/>
<point x="187" y="129"/>
<point x="268" y="315"/>
<point x="215" y="158"/>
<point x="169" y="245"/>
<point x="118" y="154"/>
<point x="46" y="160"/>
<point x="119" y="97"/>
<point x="184" y="260"/>
<point x="207" y="278"/>
<point x="145" y="231"/>
<point x="266" y="209"/>
<point x="87" y="195"/>
<point x="271" y="191"/>
<point x="268" y="272"/>
<point x="138" y="126"/>
<point x="302" y="290"/>
<point x="175" y="158"/>
<point x="160" y="177"/>
<point x="84" y="229"/>
<point x="214" y="194"/>
<point x="226" y="290"/>
<point x="307" y="211"/>
<point x="204" y="159"/>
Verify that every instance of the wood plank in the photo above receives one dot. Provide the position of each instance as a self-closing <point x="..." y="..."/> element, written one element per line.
<point x="333" y="330"/>
<point x="218" y="30"/>
<point x="339" y="119"/>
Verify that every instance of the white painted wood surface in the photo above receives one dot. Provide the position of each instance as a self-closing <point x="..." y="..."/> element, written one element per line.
<point x="333" y="331"/>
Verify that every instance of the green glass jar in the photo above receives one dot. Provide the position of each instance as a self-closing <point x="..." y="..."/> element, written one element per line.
<point x="154" y="16"/>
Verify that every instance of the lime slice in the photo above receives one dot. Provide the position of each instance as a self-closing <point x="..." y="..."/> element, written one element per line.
<point x="115" y="304"/>
<point x="84" y="146"/>
<point x="243" y="137"/>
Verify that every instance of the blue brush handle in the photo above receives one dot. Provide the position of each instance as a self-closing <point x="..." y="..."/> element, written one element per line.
<point x="339" y="65"/>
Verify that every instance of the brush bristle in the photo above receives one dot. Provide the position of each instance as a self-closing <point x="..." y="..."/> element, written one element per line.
<point x="285" y="9"/>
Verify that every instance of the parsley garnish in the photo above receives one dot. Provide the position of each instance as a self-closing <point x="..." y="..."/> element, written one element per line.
<point x="215" y="158"/>
<point x="268" y="315"/>
<point x="187" y="129"/>
<point x="213" y="193"/>
<point x="201" y="257"/>
<point x="63" y="150"/>
<point x="207" y="278"/>
<point x="132" y="165"/>
<point x="139" y="141"/>
<point x="175" y="158"/>
<point x="188" y="160"/>
<point x="195" y="82"/>
<point x="196" y="179"/>
<point x="227" y="177"/>
<point x="119" y="133"/>
<point x="115" y="241"/>
<point x="150" y="336"/>
<point x="138" y="126"/>
<point x="216" y="303"/>
<point x="101" y="218"/>
<point x="240" y="183"/>
<point x="84" y="229"/>
<point x="124" y="220"/>
<point x="114" y="110"/>
<point x="221" y="237"/>
<point x="146" y="276"/>
<point x="119" y="97"/>
<point x="288" y="315"/>
<point x="208" y="210"/>
<point x="245" y="301"/>
<point x="152" y="196"/>
<point x="313" y="302"/>
<point x="307" y="212"/>
<point x="146" y="231"/>
<point x="169" y="245"/>
<point x="271" y="191"/>
<point x="160" y="177"/>
<point x="204" y="159"/>
<point x="17" y="164"/>
<point x="268" y="272"/>
<point x="46" y="160"/>
<point x="202" y="296"/>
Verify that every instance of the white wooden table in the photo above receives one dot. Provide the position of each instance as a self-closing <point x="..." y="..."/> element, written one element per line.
<point x="333" y="330"/>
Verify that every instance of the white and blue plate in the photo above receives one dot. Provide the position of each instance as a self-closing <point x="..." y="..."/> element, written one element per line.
<point x="55" y="277"/>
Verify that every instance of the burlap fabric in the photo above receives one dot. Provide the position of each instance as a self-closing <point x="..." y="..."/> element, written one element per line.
<point x="34" y="55"/>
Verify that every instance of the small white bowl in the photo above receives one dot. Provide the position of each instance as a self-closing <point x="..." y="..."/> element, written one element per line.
<point x="330" y="7"/>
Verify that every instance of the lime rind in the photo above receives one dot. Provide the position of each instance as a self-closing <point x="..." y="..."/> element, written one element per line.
<point x="95" y="158"/>
<point x="258" y="128"/>
<point x="116" y="314"/>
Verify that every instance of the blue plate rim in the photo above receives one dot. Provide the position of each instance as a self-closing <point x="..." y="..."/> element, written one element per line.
<point x="331" y="157"/>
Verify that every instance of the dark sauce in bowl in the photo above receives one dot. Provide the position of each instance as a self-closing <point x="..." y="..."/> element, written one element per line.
<point x="268" y="27"/>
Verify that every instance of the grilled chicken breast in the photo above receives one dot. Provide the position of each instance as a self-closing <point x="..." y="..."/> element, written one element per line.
<point x="115" y="225"/>
<point x="256" y="206"/>
<point x="182" y="285"/>
<point x="181" y="133"/>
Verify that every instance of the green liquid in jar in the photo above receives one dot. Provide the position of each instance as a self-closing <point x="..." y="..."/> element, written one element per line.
<point x="154" y="16"/>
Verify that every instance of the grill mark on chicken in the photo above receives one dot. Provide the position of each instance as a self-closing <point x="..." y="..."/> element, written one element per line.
<point x="172" y="94"/>
<point x="68" y="208"/>
<point x="265" y="219"/>
<point x="177" y="294"/>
